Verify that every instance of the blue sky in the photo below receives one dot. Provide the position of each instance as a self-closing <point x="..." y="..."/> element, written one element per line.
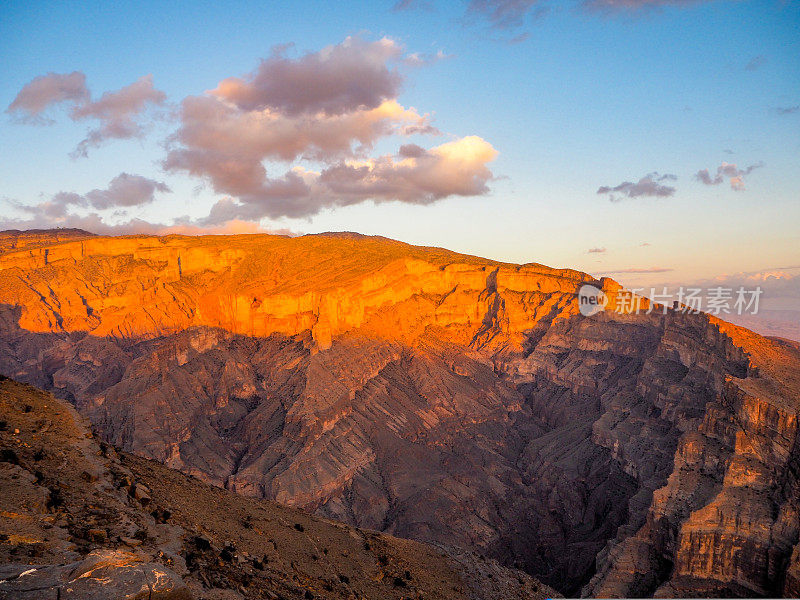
<point x="572" y="98"/>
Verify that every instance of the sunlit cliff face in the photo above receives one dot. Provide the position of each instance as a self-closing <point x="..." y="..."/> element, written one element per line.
<point x="258" y="285"/>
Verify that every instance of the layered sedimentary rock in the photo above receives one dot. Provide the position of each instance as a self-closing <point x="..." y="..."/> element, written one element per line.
<point x="14" y="239"/>
<point x="80" y="521"/>
<point x="431" y="395"/>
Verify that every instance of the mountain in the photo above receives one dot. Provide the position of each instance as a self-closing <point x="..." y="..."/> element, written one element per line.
<point x="433" y="396"/>
<point x="81" y="521"/>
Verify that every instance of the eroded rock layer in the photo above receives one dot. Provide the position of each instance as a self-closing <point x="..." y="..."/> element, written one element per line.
<point x="81" y="521"/>
<point x="431" y="395"/>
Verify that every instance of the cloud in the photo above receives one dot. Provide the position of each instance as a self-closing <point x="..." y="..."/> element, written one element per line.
<point x="512" y="14"/>
<point x="787" y="110"/>
<point x="518" y="39"/>
<point x="403" y="5"/>
<point x="777" y="304"/>
<point x="635" y="5"/>
<point x="755" y="63"/>
<point x="417" y="59"/>
<point x="780" y="285"/>
<point x="417" y="176"/>
<point x="44" y="91"/>
<point x="596" y="251"/>
<point x="350" y="76"/>
<point x="505" y="14"/>
<point x="117" y="113"/>
<point x="294" y="136"/>
<point x="734" y="174"/>
<point x="414" y="176"/>
<point x="227" y="145"/>
<point x="95" y="223"/>
<point x="648" y="186"/>
<point x="328" y="108"/>
<point x="124" y="191"/>
<point x="500" y="15"/>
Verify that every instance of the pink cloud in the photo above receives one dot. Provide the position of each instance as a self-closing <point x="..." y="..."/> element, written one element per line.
<point x="734" y="174"/>
<point x="124" y="191"/>
<point x="94" y="223"/>
<point x="45" y="91"/>
<point x="344" y="78"/>
<point x="320" y="115"/>
<point x="118" y="113"/>
<point x="414" y="176"/>
<point x="329" y="108"/>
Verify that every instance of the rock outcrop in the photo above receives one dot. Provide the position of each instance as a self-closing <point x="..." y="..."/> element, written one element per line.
<point x="101" y="575"/>
<point x="430" y="395"/>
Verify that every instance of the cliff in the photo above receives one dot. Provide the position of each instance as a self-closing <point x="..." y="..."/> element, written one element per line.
<point x="431" y="395"/>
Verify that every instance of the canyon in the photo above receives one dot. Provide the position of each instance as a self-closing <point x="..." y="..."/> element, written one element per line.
<point x="428" y="395"/>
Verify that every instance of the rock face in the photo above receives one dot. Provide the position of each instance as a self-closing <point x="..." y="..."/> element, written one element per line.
<point x="101" y="575"/>
<point x="430" y="395"/>
<point x="80" y="521"/>
<point x="14" y="239"/>
<point x="726" y="522"/>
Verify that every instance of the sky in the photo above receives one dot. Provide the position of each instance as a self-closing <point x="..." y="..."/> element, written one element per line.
<point x="653" y="141"/>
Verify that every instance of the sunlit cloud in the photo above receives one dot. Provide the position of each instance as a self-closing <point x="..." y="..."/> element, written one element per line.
<point x="353" y="75"/>
<point x="320" y="115"/>
<point x="414" y="176"/>
<point x="326" y="109"/>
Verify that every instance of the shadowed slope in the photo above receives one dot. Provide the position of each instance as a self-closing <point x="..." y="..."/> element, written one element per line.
<point x="81" y="521"/>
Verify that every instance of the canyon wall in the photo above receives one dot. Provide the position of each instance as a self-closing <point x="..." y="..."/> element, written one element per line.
<point x="431" y="395"/>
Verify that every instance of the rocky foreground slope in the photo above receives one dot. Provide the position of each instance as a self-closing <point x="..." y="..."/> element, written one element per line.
<point x="81" y="521"/>
<point x="430" y="395"/>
